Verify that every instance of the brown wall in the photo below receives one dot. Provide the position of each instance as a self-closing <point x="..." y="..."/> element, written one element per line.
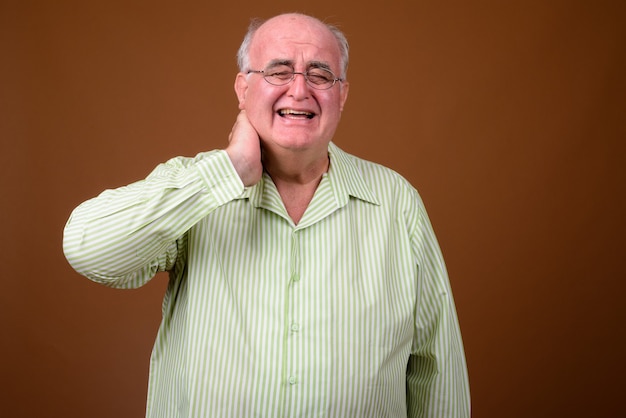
<point x="508" y="116"/>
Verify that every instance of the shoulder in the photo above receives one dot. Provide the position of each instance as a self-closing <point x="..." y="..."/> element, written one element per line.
<point x="183" y="163"/>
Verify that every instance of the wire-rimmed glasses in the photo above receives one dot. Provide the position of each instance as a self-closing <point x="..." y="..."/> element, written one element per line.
<point x="316" y="77"/>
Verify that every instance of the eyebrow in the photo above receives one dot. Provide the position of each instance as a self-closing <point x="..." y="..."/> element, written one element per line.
<point x="276" y="62"/>
<point x="290" y="63"/>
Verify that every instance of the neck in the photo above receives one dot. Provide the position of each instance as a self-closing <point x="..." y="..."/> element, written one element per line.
<point x="300" y="167"/>
<point x="296" y="176"/>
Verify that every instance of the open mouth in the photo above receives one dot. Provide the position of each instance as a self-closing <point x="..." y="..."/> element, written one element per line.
<point x="296" y="113"/>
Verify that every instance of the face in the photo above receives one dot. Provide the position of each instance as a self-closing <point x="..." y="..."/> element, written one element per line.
<point x="294" y="116"/>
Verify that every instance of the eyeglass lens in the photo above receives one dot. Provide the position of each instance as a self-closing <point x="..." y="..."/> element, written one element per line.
<point x="319" y="78"/>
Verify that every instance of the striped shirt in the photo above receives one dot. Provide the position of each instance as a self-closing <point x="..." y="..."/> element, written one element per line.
<point x="349" y="313"/>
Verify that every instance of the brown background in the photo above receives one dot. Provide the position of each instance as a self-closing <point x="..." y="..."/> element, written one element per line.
<point x="508" y="116"/>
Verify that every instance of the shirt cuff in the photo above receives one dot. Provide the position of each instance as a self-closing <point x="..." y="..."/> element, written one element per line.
<point x="220" y="176"/>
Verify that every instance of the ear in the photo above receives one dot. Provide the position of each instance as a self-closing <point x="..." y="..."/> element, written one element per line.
<point x="241" y="87"/>
<point x="344" y="87"/>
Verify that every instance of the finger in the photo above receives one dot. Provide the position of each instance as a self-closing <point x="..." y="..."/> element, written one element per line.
<point x="238" y="121"/>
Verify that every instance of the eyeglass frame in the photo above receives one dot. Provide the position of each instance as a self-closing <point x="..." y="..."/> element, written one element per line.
<point x="303" y="74"/>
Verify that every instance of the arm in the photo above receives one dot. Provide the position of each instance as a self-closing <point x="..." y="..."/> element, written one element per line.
<point x="123" y="237"/>
<point x="437" y="380"/>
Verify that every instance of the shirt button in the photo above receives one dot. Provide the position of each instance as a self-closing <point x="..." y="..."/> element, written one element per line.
<point x="292" y="380"/>
<point x="295" y="277"/>
<point x="295" y="327"/>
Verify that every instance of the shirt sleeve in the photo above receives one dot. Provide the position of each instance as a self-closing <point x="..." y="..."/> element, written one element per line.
<point x="437" y="379"/>
<point x="124" y="236"/>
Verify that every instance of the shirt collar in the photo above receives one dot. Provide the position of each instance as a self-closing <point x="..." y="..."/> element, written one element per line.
<point x="344" y="175"/>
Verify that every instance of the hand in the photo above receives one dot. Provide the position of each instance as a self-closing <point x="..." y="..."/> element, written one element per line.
<point x="244" y="150"/>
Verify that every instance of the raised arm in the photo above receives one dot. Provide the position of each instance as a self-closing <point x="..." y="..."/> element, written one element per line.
<point x="123" y="237"/>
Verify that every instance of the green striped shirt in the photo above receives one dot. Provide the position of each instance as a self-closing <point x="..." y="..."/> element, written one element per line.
<point x="349" y="313"/>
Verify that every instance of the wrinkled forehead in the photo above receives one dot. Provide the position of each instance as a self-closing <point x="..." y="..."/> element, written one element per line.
<point x="299" y="39"/>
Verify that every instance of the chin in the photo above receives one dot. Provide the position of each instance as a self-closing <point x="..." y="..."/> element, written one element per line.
<point x="299" y="143"/>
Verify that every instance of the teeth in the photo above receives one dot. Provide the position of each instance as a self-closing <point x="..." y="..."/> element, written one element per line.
<point x="284" y="112"/>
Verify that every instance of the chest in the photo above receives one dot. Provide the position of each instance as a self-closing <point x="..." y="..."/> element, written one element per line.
<point x="298" y="312"/>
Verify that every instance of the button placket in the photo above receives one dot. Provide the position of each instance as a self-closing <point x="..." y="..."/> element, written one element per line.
<point x="292" y="322"/>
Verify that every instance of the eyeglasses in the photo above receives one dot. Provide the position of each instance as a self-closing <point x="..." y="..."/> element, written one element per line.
<point x="318" y="78"/>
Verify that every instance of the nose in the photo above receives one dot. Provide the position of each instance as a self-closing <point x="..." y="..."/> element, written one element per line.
<point x="298" y="88"/>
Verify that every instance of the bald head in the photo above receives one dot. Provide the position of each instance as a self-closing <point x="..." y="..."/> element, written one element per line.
<point x="298" y="21"/>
